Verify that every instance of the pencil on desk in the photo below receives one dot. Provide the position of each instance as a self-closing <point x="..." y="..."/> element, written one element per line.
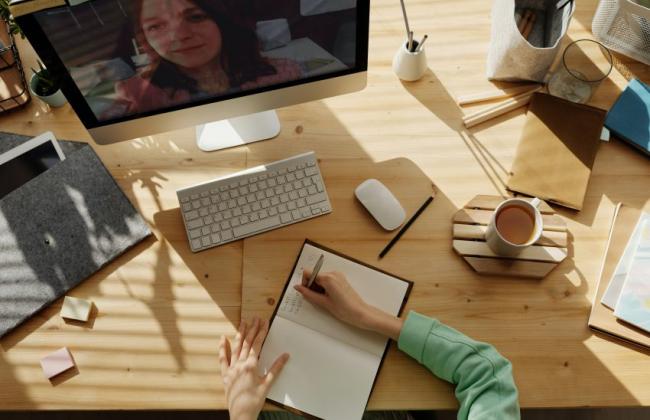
<point x="499" y="109"/>
<point x="494" y="95"/>
<point x="405" y="227"/>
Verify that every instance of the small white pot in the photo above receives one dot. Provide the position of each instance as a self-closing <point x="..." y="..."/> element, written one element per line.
<point x="56" y="99"/>
<point x="410" y="66"/>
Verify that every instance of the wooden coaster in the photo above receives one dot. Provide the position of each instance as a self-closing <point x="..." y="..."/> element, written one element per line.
<point x="470" y="225"/>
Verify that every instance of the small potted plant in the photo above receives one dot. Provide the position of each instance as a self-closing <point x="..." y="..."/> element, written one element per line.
<point x="13" y="86"/>
<point x="46" y="86"/>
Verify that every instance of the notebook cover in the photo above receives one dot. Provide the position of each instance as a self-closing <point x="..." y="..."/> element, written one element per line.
<point x="58" y="229"/>
<point x="629" y="118"/>
<point x="286" y="285"/>
<point x="557" y="150"/>
<point x="602" y="319"/>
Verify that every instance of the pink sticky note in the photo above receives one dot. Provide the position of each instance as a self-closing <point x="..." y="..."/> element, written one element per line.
<point x="57" y="362"/>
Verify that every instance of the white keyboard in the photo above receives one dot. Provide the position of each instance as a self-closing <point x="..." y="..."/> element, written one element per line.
<point x="253" y="201"/>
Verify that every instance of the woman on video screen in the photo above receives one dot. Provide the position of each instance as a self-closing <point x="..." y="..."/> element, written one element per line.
<point x="195" y="52"/>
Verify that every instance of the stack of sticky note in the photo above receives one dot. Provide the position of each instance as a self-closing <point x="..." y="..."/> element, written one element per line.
<point x="57" y="362"/>
<point x="76" y="309"/>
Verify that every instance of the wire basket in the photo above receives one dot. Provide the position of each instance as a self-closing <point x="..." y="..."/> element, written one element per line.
<point x="624" y="26"/>
<point x="13" y="87"/>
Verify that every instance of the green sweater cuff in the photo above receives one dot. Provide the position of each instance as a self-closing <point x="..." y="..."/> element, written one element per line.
<point x="414" y="334"/>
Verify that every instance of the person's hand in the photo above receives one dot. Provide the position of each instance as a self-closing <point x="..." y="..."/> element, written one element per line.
<point x="245" y="388"/>
<point x="342" y="301"/>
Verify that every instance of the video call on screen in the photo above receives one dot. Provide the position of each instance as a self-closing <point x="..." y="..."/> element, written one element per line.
<point x="149" y="55"/>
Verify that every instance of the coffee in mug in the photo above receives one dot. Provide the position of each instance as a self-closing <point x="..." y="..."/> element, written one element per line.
<point x="515" y="225"/>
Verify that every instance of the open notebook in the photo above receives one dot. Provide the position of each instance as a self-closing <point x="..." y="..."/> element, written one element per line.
<point x="333" y="366"/>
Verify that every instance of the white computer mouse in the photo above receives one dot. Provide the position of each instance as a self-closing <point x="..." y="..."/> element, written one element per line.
<point x="381" y="204"/>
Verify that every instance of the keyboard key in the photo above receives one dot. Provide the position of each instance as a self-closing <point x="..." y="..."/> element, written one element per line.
<point x="262" y="185"/>
<point x="205" y="201"/>
<point x="253" y="179"/>
<point x="214" y="191"/>
<point x="300" y="174"/>
<point x="291" y="205"/>
<point x="266" y="203"/>
<point x="315" y="210"/>
<point x="235" y="222"/>
<point x="226" y="235"/>
<point x="187" y="207"/>
<point x="263" y="177"/>
<point x="224" y="196"/>
<point x="205" y="230"/>
<point x="312" y="190"/>
<point x="297" y="185"/>
<point x="184" y="200"/>
<point x="319" y="186"/>
<point x="196" y="244"/>
<point x="296" y="215"/>
<point x="241" y="201"/>
<point x="285" y="217"/>
<point x="234" y="193"/>
<point x="256" y="227"/>
<point x="244" y="219"/>
<point x="272" y="182"/>
<point x="256" y="206"/>
<point x="194" y="196"/>
<point x="195" y="233"/>
<point x="215" y="199"/>
<point x="284" y="198"/>
<point x="233" y="185"/>
<point x="232" y="204"/>
<point x="273" y="211"/>
<point x="214" y="208"/>
<point x="208" y="220"/>
<point x="260" y="195"/>
<point x="301" y="202"/>
<point x="292" y="168"/>
<point x="275" y="201"/>
<point x="216" y="227"/>
<point x="196" y="204"/>
<point x="205" y="241"/>
<point x="302" y="165"/>
<point x="279" y="190"/>
<point x="282" y="179"/>
<point x="253" y="188"/>
<point x="236" y="212"/>
<point x="203" y="212"/>
<point x="311" y="171"/>
<point x="293" y="195"/>
<point x="246" y="209"/>
<point x="307" y="182"/>
<point x="204" y="194"/>
<point x="316" y="198"/>
<point x="311" y="163"/>
<point x="291" y="177"/>
<point x="269" y="193"/>
<point x="225" y="225"/>
<point x="215" y="238"/>
<point x="288" y="187"/>
<point x="302" y="193"/>
<point x="282" y="208"/>
<point x="223" y="206"/>
<point x="227" y="214"/>
<point x="223" y="188"/>
<point x="282" y="171"/>
<point x="305" y="212"/>
<point x="243" y="191"/>
<point x="191" y="215"/>
<point x="243" y="182"/>
<point x="273" y="174"/>
<point x="263" y="214"/>
<point x="254" y="217"/>
<point x="250" y="198"/>
<point x="218" y="217"/>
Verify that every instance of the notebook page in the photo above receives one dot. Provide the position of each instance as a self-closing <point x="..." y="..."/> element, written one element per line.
<point x="376" y="288"/>
<point x="323" y="377"/>
<point x="613" y="291"/>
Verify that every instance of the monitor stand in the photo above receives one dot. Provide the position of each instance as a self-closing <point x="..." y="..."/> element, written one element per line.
<point x="237" y="131"/>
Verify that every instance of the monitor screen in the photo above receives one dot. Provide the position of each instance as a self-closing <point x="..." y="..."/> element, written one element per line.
<point x="133" y="58"/>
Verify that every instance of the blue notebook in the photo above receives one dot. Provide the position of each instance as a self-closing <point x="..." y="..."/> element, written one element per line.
<point x="629" y="118"/>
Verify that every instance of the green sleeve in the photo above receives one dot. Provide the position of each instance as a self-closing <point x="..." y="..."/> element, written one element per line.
<point x="485" y="388"/>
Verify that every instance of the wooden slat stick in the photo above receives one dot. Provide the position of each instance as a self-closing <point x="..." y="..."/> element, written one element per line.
<point x="499" y="109"/>
<point x="494" y="94"/>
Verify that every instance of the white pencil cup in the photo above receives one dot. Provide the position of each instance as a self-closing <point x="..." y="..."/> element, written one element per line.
<point x="410" y="66"/>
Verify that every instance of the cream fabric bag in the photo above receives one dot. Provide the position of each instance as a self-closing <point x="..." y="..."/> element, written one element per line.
<point x="513" y="58"/>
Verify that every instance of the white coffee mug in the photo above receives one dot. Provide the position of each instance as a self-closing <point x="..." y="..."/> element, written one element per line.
<point x="502" y="246"/>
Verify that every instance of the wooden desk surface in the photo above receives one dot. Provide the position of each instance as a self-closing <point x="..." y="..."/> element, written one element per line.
<point x="161" y="308"/>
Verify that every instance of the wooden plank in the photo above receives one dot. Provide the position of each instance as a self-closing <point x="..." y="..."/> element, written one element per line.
<point x="491" y="202"/>
<point x="510" y="268"/>
<point x="483" y="217"/>
<point x="532" y="253"/>
<point x="477" y="232"/>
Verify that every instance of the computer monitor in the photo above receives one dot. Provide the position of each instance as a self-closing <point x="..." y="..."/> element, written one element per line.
<point x="132" y="68"/>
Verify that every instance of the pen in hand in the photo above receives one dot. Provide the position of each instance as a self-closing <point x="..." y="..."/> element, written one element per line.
<point x="311" y="283"/>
